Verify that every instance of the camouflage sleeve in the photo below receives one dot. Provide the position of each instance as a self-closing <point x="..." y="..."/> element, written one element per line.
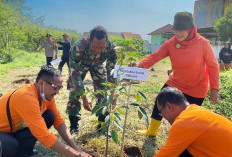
<point x="111" y="61"/>
<point x="76" y="82"/>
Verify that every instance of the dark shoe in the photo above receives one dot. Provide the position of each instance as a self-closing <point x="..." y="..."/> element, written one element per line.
<point x="74" y="127"/>
<point x="74" y="130"/>
<point x="28" y="154"/>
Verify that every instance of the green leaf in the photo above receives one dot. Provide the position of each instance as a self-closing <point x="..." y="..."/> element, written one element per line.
<point x="118" y="124"/>
<point x="114" y="136"/>
<point x="140" y="115"/>
<point x="120" y="110"/>
<point x="140" y="93"/>
<point x="117" y="115"/>
<point x="143" y="112"/>
<point x="103" y="130"/>
<point x="98" y="107"/>
<point x="107" y="119"/>
<point x="134" y="104"/>
<point x="110" y="99"/>
<point x="121" y="88"/>
<point x="137" y="97"/>
<point x="134" y="83"/>
<point x="104" y="110"/>
<point x="108" y="84"/>
<point x="113" y="117"/>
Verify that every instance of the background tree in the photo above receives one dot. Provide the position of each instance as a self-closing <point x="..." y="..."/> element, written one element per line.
<point x="223" y="26"/>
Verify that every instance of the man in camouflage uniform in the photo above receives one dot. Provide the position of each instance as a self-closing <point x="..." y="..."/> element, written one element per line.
<point x="89" y="55"/>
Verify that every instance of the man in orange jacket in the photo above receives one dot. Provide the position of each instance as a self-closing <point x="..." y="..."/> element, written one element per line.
<point x="195" y="131"/>
<point x="27" y="113"/>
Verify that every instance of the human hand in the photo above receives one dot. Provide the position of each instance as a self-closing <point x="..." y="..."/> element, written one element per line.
<point x="133" y="64"/>
<point x="87" y="105"/>
<point x="214" y="96"/>
<point x="84" y="154"/>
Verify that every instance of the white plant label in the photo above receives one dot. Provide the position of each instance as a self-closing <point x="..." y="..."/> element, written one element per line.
<point x="131" y="73"/>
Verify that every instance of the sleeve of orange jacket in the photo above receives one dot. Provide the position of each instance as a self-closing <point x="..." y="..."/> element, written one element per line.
<point x="156" y="56"/>
<point x="58" y="119"/>
<point x="212" y="65"/>
<point x="181" y="135"/>
<point x="30" y="113"/>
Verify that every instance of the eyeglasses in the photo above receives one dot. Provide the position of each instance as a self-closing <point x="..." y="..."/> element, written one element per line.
<point x="161" y="110"/>
<point x="55" y="87"/>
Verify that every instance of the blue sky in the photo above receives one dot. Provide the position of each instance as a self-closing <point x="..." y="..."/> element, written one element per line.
<point x="136" y="16"/>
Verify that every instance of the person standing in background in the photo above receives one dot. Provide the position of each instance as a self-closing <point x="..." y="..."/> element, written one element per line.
<point x="225" y="57"/>
<point x="50" y="49"/>
<point x="66" y="46"/>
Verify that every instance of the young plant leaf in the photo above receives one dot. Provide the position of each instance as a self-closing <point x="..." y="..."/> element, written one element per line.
<point x="134" y="104"/>
<point x="137" y="97"/>
<point x="134" y="83"/>
<point x="98" y="107"/>
<point x="103" y="130"/>
<point x="107" y="119"/>
<point x="140" y="115"/>
<point x="143" y="112"/>
<point x="120" y="110"/>
<point x="118" y="124"/>
<point x="117" y="115"/>
<point x="104" y="110"/>
<point x="140" y="93"/>
<point x="114" y="136"/>
<point x="110" y="99"/>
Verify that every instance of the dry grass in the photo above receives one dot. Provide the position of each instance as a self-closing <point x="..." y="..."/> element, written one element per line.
<point x="87" y="138"/>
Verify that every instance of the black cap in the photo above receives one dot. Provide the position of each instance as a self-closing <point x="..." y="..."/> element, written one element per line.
<point x="183" y="21"/>
<point x="48" y="35"/>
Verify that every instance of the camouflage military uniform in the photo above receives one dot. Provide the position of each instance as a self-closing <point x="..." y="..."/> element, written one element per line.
<point x="82" y="60"/>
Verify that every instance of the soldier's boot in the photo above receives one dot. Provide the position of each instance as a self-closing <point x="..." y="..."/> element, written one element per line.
<point x="101" y="119"/>
<point x="152" y="130"/>
<point x="74" y="126"/>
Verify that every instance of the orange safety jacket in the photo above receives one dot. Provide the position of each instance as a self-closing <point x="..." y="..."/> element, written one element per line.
<point x="200" y="131"/>
<point x="27" y="112"/>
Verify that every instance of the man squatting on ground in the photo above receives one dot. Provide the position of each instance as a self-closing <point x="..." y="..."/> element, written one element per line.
<point x="195" y="131"/>
<point x="32" y="111"/>
<point x="89" y="55"/>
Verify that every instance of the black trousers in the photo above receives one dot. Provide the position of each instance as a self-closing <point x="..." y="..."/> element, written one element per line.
<point x="192" y="100"/>
<point x="63" y="61"/>
<point x="21" y="142"/>
<point x="49" y="59"/>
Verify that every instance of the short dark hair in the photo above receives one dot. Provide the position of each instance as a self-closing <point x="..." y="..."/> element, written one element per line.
<point x="98" y="32"/>
<point x="65" y="35"/>
<point x="48" y="35"/>
<point x="171" y="95"/>
<point x="47" y="72"/>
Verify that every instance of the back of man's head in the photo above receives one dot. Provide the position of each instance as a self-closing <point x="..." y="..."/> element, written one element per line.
<point x="171" y="95"/>
<point x="98" y="32"/>
<point x="48" y="72"/>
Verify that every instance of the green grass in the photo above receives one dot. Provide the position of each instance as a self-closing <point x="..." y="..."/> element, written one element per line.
<point x="23" y="59"/>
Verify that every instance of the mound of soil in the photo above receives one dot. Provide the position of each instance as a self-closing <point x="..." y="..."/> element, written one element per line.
<point x="132" y="151"/>
<point x="24" y="80"/>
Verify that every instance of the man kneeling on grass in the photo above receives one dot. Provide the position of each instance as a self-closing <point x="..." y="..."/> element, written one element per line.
<point x="195" y="131"/>
<point x="27" y="113"/>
